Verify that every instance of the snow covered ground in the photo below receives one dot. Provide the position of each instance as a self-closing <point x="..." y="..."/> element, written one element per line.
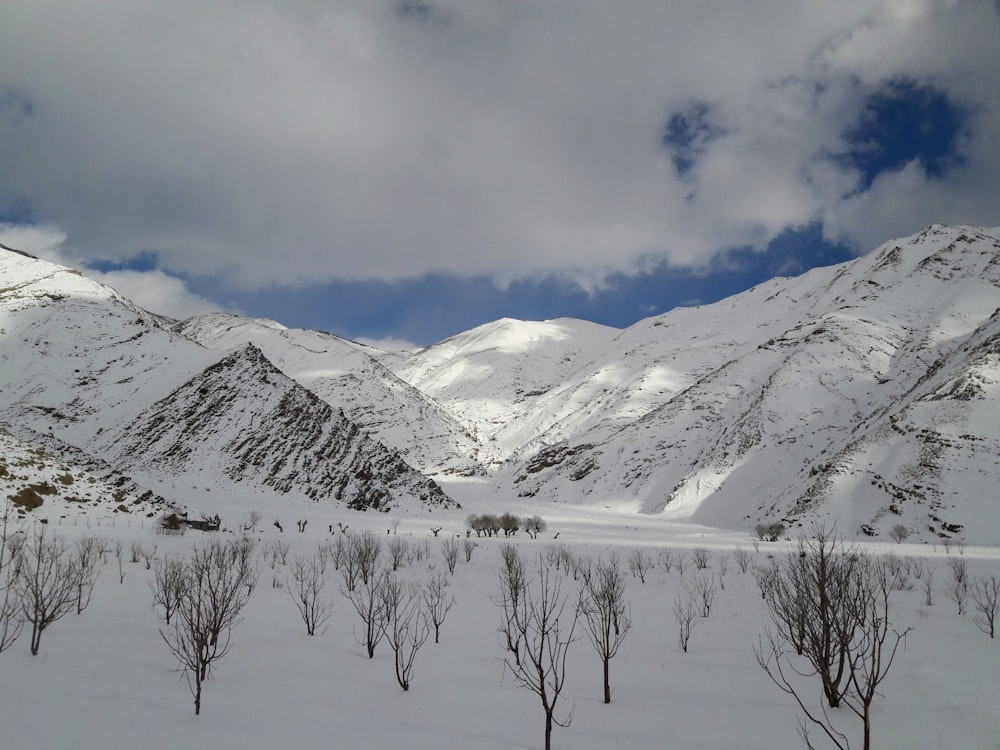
<point x="105" y="680"/>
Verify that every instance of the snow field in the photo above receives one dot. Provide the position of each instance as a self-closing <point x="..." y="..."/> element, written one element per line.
<point x="105" y="680"/>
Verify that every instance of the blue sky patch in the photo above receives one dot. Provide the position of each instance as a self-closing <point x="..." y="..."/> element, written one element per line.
<point x="902" y="121"/>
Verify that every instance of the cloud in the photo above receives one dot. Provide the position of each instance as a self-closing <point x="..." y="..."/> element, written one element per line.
<point x="153" y="290"/>
<point x="269" y="143"/>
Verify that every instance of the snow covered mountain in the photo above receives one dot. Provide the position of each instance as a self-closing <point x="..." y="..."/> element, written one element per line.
<point x="84" y="370"/>
<point x="866" y="393"/>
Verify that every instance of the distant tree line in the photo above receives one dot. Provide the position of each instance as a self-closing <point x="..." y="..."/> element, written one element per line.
<point x="489" y="524"/>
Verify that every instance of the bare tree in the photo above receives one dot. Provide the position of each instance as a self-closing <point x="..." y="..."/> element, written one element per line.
<point x="135" y="551"/>
<point x="639" y="563"/>
<point x="702" y="589"/>
<point x="666" y="559"/>
<point x="216" y="589"/>
<point x="437" y="602"/>
<point x="367" y="599"/>
<point x="406" y="625"/>
<point x="513" y="580"/>
<point x="985" y="593"/>
<point x="700" y="557"/>
<point x="10" y="563"/>
<point x="253" y="518"/>
<point x="606" y="615"/>
<point x="899" y="533"/>
<point x="306" y="589"/>
<point x="468" y="546"/>
<point x="929" y="588"/>
<point x="167" y="586"/>
<point x="148" y="555"/>
<point x="365" y="548"/>
<point x="121" y="563"/>
<point x="396" y="547"/>
<point x="870" y="654"/>
<point x="509" y="524"/>
<point x="449" y="550"/>
<point x="958" y="585"/>
<point x="46" y="585"/>
<point x="686" y="614"/>
<point x="545" y="629"/>
<point x="276" y="551"/>
<point x="85" y="568"/>
<point x="742" y="558"/>
<point x="681" y="562"/>
<point x="533" y="526"/>
<point x="811" y="597"/>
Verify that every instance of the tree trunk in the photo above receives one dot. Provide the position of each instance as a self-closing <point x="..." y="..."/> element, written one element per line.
<point x="548" y="730"/>
<point x="607" y="682"/>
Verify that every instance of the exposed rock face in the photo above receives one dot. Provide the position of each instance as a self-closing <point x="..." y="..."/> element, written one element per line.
<point x="245" y="419"/>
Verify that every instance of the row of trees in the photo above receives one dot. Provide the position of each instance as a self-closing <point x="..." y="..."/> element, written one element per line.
<point x="42" y="579"/>
<point x="488" y="524"/>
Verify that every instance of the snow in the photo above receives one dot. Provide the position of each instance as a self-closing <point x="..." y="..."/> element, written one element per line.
<point x="104" y="680"/>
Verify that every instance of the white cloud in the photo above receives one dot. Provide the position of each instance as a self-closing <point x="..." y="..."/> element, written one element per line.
<point x="280" y="143"/>
<point x="153" y="290"/>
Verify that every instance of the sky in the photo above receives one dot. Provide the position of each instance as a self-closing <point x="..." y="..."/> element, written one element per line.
<point x="398" y="171"/>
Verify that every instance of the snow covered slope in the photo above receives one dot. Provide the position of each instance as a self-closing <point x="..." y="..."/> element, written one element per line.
<point x="866" y="393"/>
<point x="349" y="376"/>
<point x="83" y="367"/>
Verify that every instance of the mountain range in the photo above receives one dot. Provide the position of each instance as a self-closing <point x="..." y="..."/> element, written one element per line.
<point x="865" y="394"/>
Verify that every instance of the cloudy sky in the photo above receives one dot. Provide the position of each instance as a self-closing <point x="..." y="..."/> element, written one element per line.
<point x="406" y="169"/>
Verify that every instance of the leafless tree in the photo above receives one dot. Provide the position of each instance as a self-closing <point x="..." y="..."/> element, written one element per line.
<point x="916" y="567"/>
<point x="406" y="625"/>
<point x="509" y="524"/>
<point x="148" y="555"/>
<point x="700" y="557"/>
<point x="10" y="562"/>
<point x="167" y="586"/>
<point x="253" y="518"/>
<point x="958" y="584"/>
<point x="135" y="551"/>
<point x="513" y="580"/>
<point x="702" y="590"/>
<point x="544" y="623"/>
<point x="870" y="654"/>
<point x="365" y="548"/>
<point x="215" y="591"/>
<point x="899" y="533"/>
<point x="686" y="614"/>
<point x="276" y="551"/>
<point x="468" y="547"/>
<point x="639" y="563"/>
<point x="533" y="526"/>
<point x="367" y="600"/>
<point x="306" y="589"/>
<point x="449" y="550"/>
<point x="396" y="547"/>
<point x="119" y="556"/>
<point x="606" y="615"/>
<point x="666" y="559"/>
<point x="437" y="602"/>
<point x="742" y="558"/>
<point x="85" y="566"/>
<point x="985" y="593"/>
<point x="929" y="588"/>
<point x="811" y="598"/>
<point x="681" y="562"/>
<point x="46" y="585"/>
